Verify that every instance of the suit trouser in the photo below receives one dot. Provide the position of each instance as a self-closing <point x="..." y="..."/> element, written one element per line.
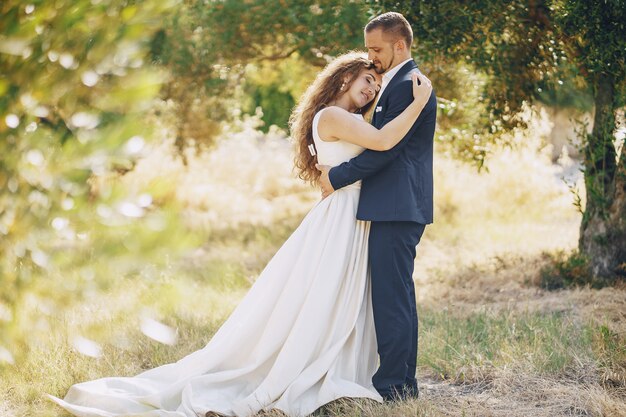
<point x="392" y="247"/>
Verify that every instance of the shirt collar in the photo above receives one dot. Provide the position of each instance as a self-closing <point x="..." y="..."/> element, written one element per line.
<point x="392" y="72"/>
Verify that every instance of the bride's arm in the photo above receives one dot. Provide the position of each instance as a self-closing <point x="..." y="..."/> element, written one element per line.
<point x="338" y="124"/>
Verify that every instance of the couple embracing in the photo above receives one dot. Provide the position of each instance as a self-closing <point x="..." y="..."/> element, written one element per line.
<point x="333" y="313"/>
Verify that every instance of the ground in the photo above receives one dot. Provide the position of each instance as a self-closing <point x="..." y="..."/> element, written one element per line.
<point x="493" y="341"/>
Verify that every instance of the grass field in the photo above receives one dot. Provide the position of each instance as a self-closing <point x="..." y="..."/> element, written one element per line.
<point x="492" y="341"/>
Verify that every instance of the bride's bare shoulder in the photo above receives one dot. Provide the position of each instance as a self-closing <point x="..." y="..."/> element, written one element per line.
<point x="328" y="121"/>
<point x="336" y="123"/>
<point x="334" y="115"/>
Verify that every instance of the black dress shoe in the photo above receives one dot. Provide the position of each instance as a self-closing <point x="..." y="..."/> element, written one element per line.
<point x="402" y="393"/>
<point x="411" y="390"/>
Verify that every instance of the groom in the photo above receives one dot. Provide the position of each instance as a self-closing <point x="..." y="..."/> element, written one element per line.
<point x="397" y="197"/>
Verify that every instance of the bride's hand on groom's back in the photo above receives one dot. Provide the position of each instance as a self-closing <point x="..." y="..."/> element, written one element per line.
<point x="327" y="187"/>
<point x="422" y="88"/>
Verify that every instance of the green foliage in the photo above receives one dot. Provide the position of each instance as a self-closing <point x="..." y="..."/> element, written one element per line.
<point x="207" y="47"/>
<point x="199" y="81"/>
<point x="74" y="93"/>
<point x="276" y="106"/>
<point x="463" y="123"/>
<point x="515" y="43"/>
<point x="594" y="35"/>
<point x="567" y="270"/>
<point x="567" y="89"/>
<point x="276" y="87"/>
<point x="559" y="52"/>
<point x="544" y="51"/>
<point x="269" y="30"/>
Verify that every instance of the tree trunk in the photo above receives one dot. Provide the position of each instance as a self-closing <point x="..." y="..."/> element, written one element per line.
<point x="603" y="229"/>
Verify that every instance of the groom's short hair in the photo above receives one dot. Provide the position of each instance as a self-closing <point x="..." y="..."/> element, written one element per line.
<point x="393" y="24"/>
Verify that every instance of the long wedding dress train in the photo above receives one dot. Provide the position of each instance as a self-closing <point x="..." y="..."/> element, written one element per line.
<point x="301" y="337"/>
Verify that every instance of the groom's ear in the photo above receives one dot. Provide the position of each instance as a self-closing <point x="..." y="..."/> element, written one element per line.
<point x="400" y="45"/>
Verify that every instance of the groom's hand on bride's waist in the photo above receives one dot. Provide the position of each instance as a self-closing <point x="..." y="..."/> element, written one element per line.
<point x="327" y="187"/>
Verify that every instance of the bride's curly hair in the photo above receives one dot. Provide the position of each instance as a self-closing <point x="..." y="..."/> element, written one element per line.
<point x="326" y="88"/>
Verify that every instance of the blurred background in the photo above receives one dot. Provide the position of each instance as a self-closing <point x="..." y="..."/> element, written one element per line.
<point x="146" y="179"/>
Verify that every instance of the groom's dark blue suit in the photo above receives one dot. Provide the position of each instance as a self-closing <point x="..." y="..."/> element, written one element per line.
<point x="397" y="197"/>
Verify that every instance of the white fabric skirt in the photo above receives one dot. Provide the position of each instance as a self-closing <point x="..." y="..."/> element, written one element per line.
<point x="301" y="337"/>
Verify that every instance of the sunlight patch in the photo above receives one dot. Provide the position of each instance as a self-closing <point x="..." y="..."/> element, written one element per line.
<point x="6" y="356"/>
<point x="158" y="331"/>
<point x="87" y="347"/>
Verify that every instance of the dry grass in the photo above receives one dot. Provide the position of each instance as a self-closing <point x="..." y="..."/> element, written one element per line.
<point x="567" y="370"/>
<point x="511" y="393"/>
<point x="245" y="180"/>
<point x="492" y="343"/>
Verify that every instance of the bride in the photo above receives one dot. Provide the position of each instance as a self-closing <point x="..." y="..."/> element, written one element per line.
<point x="304" y="334"/>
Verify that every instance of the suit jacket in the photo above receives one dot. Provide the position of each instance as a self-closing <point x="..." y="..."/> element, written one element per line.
<point x="398" y="183"/>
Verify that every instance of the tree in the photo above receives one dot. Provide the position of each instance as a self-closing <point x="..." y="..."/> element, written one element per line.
<point x="210" y="48"/>
<point x="527" y="48"/>
<point x="73" y="95"/>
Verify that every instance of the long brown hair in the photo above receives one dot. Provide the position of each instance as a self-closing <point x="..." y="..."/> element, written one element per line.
<point x="326" y="88"/>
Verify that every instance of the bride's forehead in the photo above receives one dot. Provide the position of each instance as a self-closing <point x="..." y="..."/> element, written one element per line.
<point x="377" y="77"/>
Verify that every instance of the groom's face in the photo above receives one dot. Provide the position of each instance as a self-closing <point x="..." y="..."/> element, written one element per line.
<point x="380" y="50"/>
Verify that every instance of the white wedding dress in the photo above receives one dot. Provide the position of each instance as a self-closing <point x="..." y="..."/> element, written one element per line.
<point x="301" y="337"/>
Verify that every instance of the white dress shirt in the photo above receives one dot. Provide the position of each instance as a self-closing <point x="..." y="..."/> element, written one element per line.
<point x="388" y="76"/>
